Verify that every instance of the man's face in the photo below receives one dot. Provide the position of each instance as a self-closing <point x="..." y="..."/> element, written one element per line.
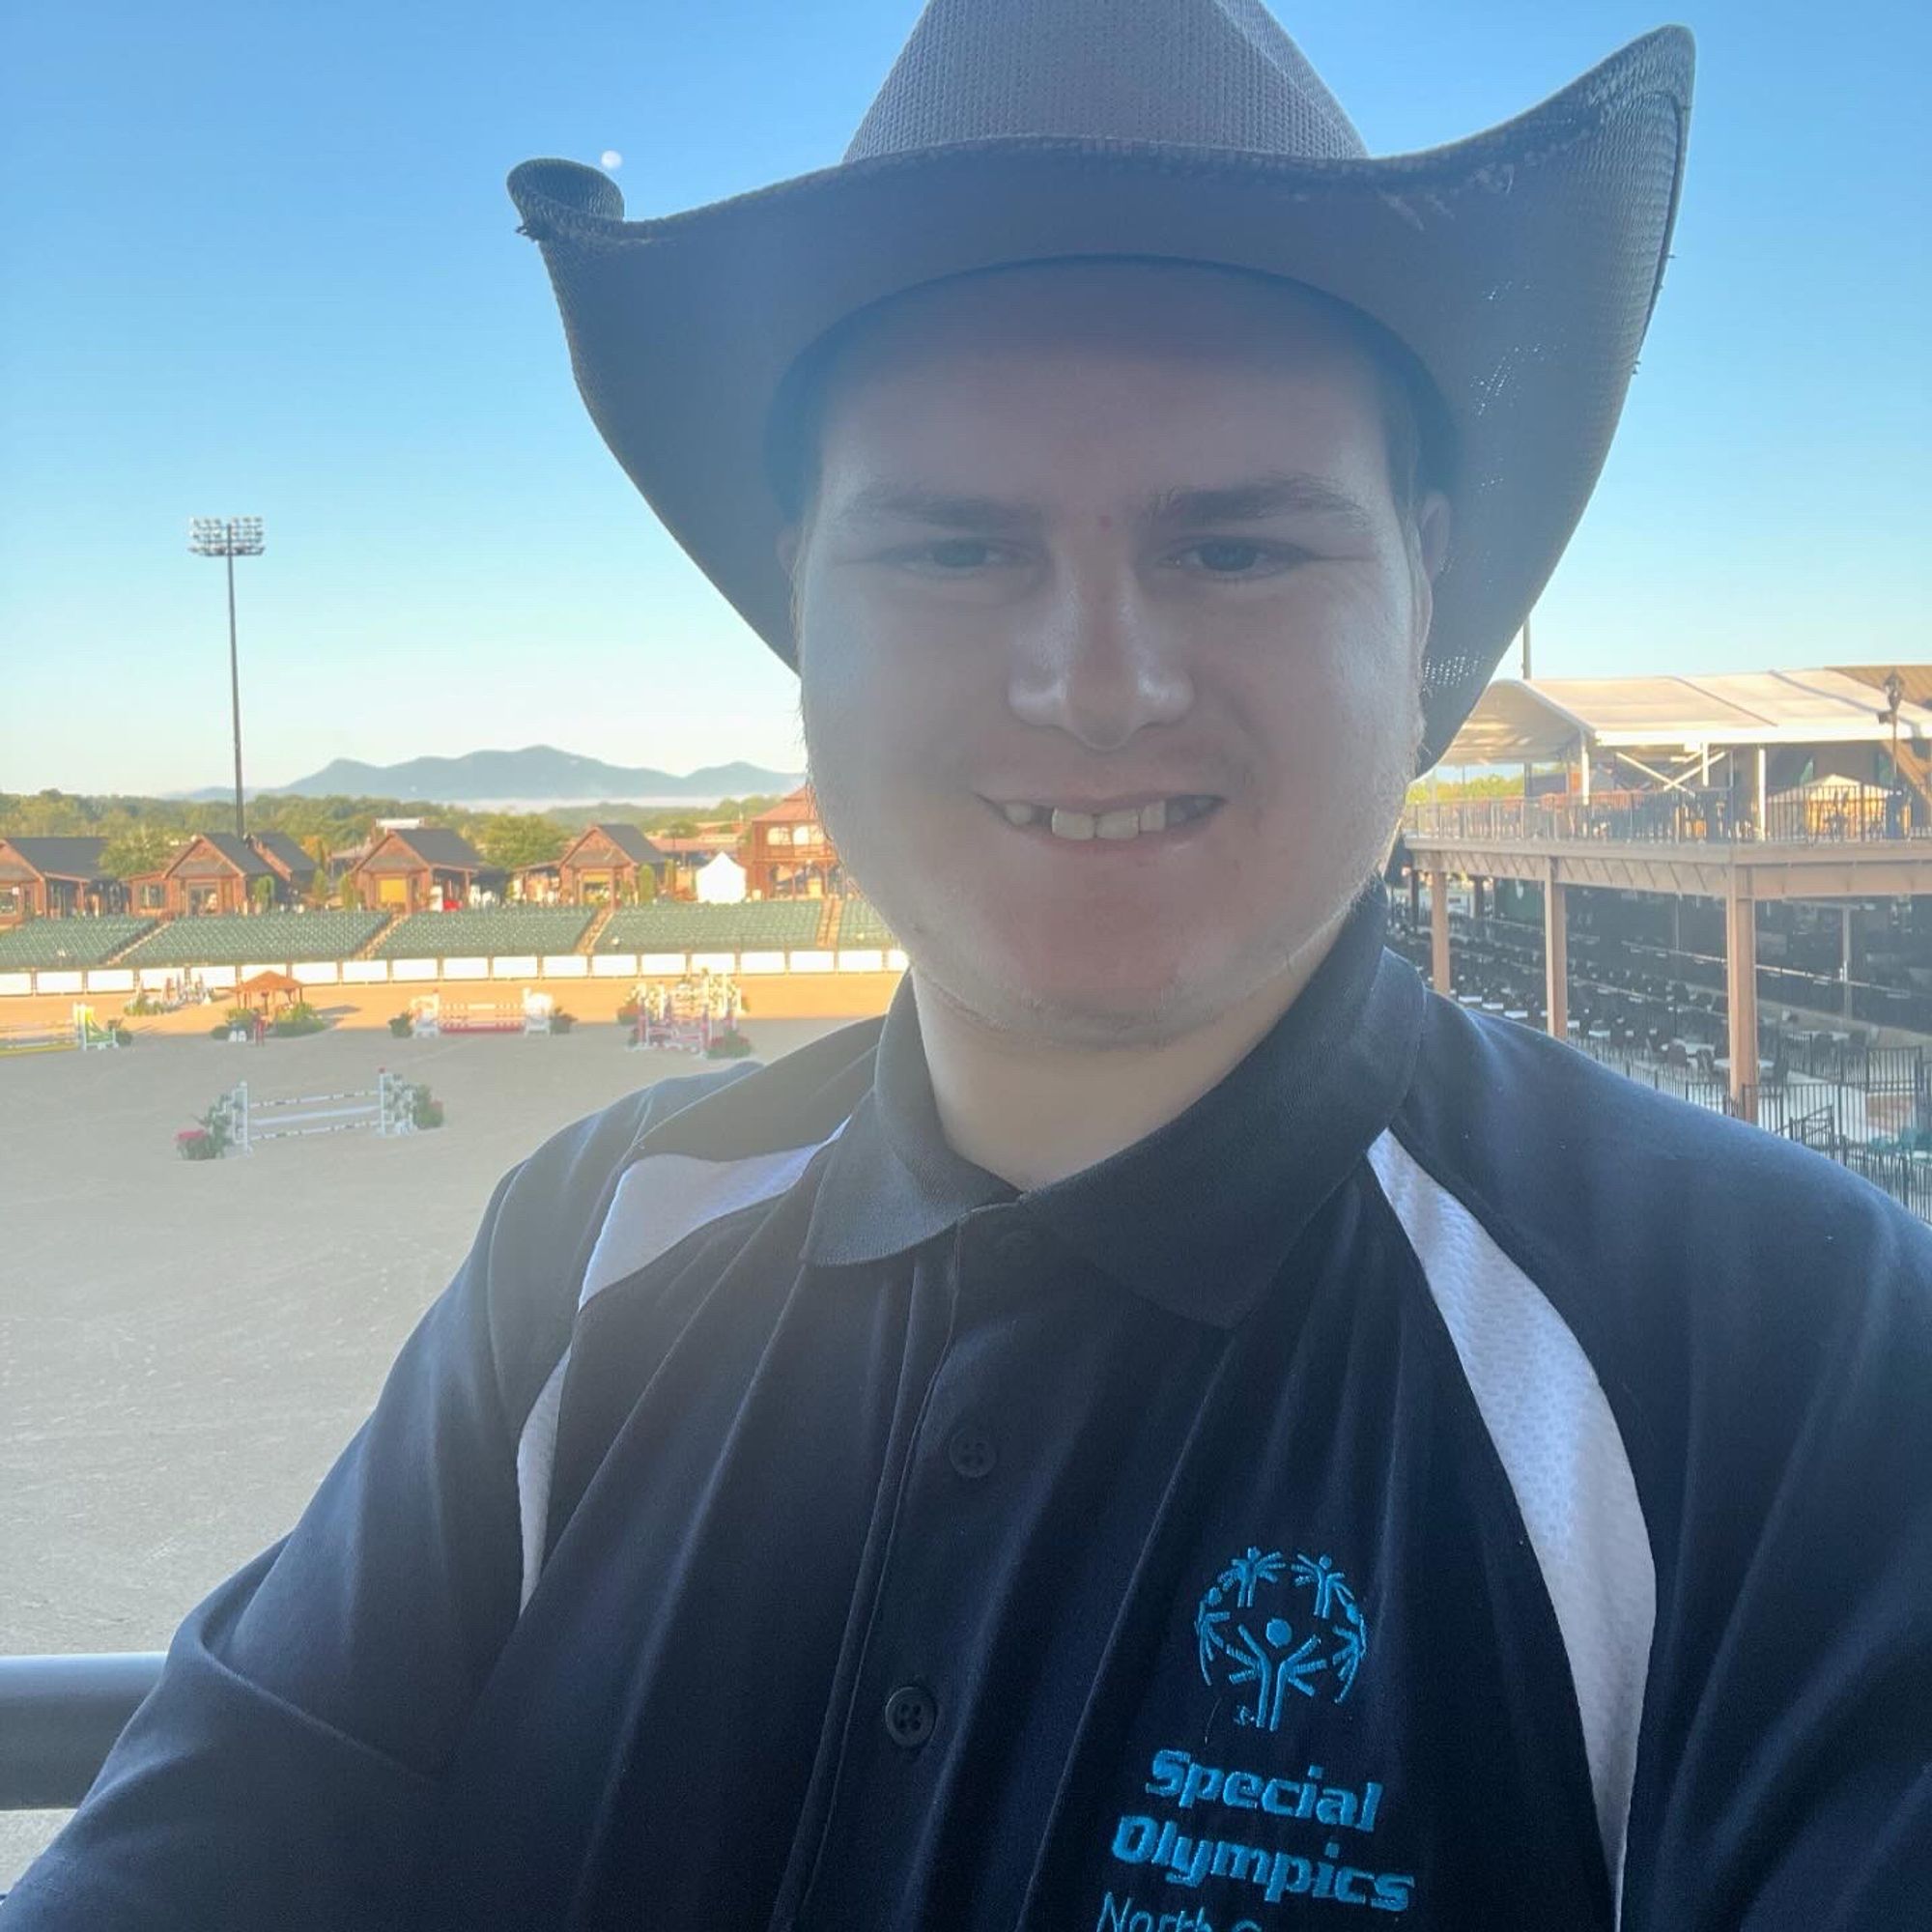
<point x="1110" y="637"/>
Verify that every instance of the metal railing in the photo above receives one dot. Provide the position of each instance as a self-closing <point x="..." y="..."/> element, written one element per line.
<point x="59" y="1716"/>
<point x="1671" y="819"/>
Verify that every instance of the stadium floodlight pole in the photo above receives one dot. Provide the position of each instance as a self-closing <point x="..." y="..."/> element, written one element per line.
<point x="229" y="538"/>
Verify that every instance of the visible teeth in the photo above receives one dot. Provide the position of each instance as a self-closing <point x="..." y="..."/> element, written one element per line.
<point x="1123" y="824"/>
<point x="1154" y="817"/>
<point x="1019" y="814"/>
<point x="1072" y="824"/>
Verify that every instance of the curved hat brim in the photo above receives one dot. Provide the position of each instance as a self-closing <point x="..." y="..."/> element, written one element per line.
<point x="1520" y="267"/>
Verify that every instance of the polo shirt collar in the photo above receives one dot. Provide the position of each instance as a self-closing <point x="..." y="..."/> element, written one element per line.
<point x="1196" y="1216"/>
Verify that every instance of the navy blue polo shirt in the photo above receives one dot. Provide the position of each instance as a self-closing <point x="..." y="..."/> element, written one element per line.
<point x="1431" y="1478"/>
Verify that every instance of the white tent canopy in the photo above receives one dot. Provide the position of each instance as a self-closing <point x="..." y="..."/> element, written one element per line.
<point x="1544" y="719"/>
<point x="1835" y="789"/>
<point x="721" y="882"/>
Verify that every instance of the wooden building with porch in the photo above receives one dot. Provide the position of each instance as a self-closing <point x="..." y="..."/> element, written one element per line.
<point x="54" y="878"/>
<point x="604" y="862"/>
<point x="1715" y="789"/>
<point x="421" y="869"/>
<point x="787" y="853"/>
<point x="214" y="872"/>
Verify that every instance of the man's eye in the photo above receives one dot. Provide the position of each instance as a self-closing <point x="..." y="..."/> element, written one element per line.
<point x="1231" y="556"/>
<point x="948" y="556"/>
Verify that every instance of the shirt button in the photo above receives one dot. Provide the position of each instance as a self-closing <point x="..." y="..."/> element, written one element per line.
<point x="971" y="1452"/>
<point x="910" y="1715"/>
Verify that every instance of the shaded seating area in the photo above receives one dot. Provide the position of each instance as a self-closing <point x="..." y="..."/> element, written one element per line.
<point x="232" y="939"/>
<point x="487" y="933"/>
<point x="861" y="924"/>
<point x="675" y="926"/>
<point x="55" y="943"/>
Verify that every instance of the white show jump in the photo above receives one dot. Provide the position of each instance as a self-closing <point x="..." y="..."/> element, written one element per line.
<point x="386" y="1109"/>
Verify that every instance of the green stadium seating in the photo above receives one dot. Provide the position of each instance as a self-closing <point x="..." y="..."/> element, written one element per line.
<point x="487" y="935"/>
<point x="859" y="926"/>
<point x="675" y="925"/>
<point x="232" y="939"/>
<point x="55" y="943"/>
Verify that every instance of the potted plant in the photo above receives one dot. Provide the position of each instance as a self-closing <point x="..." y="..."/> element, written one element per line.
<point x="562" y="1021"/>
<point x="401" y="1024"/>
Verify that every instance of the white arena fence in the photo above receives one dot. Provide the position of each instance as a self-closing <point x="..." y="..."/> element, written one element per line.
<point x="386" y="1109"/>
<point x="128" y="980"/>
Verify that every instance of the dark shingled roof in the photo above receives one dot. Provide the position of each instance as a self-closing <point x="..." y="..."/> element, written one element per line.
<point x="62" y="858"/>
<point x="437" y="845"/>
<point x="630" y="841"/>
<point x="279" y="845"/>
<point x="240" y="854"/>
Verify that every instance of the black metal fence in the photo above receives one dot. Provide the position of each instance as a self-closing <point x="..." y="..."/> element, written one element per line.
<point x="1675" y="818"/>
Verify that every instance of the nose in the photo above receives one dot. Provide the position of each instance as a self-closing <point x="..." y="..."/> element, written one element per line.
<point x="1098" y="664"/>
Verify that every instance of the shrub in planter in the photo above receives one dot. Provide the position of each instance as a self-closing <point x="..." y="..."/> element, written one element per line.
<point x="627" y="1014"/>
<point x="425" y="1110"/>
<point x="220" y="1032"/>
<point x="209" y="1139"/>
<point x="728" y="1046"/>
<point x="561" y="1022"/>
<point x="123" y="1035"/>
<point x="298" y="1019"/>
<point x="401" y="1024"/>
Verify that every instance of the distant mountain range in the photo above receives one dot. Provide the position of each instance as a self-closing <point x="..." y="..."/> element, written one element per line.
<point x="530" y="779"/>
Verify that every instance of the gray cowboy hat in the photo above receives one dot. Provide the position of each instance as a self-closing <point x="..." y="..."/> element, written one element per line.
<point x="1518" y="267"/>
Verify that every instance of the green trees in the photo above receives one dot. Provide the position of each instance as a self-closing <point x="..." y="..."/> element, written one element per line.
<point x="513" y="840"/>
<point x="143" y="847"/>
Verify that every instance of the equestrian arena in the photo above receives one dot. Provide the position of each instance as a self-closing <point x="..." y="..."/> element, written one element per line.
<point x="186" y="1344"/>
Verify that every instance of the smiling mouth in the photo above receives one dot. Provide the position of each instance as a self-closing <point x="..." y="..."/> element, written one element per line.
<point x="1119" y="824"/>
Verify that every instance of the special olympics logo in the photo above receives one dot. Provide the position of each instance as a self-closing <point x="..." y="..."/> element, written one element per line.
<point x="1242" y="1647"/>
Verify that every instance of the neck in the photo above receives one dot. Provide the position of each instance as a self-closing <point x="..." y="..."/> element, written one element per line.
<point x="1034" y="1111"/>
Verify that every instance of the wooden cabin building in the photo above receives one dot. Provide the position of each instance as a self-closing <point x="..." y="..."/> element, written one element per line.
<point x="54" y="878"/>
<point x="787" y="853"/>
<point x="424" y="868"/>
<point x="602" y="863"/>
<point x="289" y="863"/>
<point x="214" y="872"/>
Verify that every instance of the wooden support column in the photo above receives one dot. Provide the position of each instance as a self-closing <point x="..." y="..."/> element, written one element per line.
<point x="1741" y="989"/>
<point x="1439" y="933"/>
<point x="1845" y="912"/>
<point x="1555" y="956"/>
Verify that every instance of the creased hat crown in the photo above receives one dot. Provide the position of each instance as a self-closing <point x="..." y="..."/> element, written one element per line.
<point x="1196" y="74"/>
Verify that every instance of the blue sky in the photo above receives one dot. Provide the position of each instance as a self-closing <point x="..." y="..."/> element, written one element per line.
<point x="258" y="260"/>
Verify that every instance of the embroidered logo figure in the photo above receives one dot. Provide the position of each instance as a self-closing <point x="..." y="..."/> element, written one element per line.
<point x="1243" y="1647"/>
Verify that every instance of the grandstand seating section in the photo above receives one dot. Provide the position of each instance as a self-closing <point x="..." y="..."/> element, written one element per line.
<point x="758" y="925"/>
<point x="501" y="929"/>
<point x="232" y="939"/>
<point x="56" y="942"/>
<point x="859" y="926"/>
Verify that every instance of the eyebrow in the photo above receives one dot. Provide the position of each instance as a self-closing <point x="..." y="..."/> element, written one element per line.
<point x="1282" y="493"/>
<point x="914" y="503"/>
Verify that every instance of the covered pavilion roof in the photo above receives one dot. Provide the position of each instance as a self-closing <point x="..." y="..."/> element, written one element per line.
<point x="1517" y="721"/>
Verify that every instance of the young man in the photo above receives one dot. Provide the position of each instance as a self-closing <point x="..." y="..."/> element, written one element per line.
<point x="1177" y="1426"/>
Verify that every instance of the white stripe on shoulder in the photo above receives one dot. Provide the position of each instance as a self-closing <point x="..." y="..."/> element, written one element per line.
<point x="659" y="1201"/>
<point x="1551" y="1424"/>
<point x="664" y="1197"/>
